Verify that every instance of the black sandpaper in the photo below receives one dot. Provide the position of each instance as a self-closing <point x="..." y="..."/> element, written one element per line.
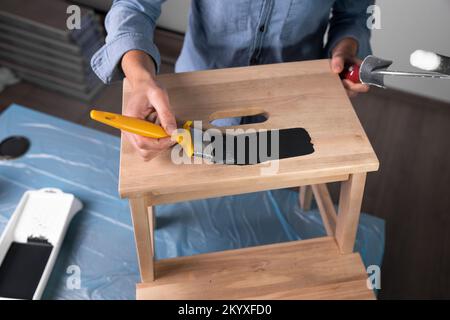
<point x="293" y="142"/>
<point x="22" y="268"/>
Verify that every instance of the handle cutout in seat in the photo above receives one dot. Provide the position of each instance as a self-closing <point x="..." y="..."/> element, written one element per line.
<point x="238" y="117"/>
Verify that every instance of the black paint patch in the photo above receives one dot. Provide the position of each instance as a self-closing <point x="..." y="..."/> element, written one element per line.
<point x="292" y="142"/>
<point x="295" y="142"/>
<point x="22" y="268"/>
<point x="14" y="147"/>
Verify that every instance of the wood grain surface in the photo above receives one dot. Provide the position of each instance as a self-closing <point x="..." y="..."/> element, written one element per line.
<point x="298" y="94"/>
<point x="306" y="269"/>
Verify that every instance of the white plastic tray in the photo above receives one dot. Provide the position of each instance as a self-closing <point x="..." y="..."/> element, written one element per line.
<point x="44" y="215"/>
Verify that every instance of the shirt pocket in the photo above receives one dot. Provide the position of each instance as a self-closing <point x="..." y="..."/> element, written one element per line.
<point x="221" y="17"/>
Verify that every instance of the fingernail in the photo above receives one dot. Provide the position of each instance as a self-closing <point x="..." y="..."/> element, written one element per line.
<point x="171" y="128"/>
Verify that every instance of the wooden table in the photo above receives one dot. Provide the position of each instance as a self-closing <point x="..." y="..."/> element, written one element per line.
<point x="299" y="94"/>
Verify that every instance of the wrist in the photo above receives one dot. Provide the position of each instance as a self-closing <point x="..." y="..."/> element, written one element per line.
<point x="139" y="68"/>
<point x="141" y="78"/>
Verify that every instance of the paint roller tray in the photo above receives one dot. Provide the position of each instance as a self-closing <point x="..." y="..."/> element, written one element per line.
<point x="31" y="242"/>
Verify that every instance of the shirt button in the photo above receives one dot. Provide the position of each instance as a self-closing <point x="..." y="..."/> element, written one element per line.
<point x="262" y="28"/>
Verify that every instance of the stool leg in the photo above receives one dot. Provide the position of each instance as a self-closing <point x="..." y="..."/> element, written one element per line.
<point x="305" y="197"/>
<point x="143" y="223"/>
<point x="326" y="208"/>
<point x="350" y="201"/>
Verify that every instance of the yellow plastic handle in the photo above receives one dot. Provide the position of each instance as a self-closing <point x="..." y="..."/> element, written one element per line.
<point x="145" y="128"/>
<point x="133" y="125"/>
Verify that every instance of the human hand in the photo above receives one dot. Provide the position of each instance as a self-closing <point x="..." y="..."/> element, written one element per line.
<point x="343" y="55"/>
<point x="148" y="101"/>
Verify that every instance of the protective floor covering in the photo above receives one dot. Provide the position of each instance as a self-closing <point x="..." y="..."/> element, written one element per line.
<point x="99" y="243"/>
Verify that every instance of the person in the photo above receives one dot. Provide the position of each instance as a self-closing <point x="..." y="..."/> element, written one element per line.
<point x="221" y="34"/>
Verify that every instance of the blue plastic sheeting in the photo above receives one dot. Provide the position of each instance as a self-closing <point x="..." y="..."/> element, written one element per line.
<point x="100" y="240"/>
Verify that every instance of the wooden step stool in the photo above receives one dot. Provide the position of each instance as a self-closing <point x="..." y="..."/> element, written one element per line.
<point x="299" y="94"/>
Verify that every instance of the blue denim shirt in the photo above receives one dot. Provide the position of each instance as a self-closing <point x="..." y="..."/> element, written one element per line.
<point x="229" y="33"/>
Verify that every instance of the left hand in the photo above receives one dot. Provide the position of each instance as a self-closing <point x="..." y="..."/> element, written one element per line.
<point x="344" y="54"/>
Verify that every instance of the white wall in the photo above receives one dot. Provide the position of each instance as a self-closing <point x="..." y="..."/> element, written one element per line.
<point x="406" y="25"/>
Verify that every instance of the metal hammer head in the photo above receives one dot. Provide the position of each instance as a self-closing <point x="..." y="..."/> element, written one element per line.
<point x="368" y="66"/>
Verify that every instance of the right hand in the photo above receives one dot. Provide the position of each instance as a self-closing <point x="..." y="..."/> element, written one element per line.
<point x="148" y="101"/>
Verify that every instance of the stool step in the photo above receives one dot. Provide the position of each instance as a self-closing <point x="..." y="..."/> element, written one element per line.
<point x="306" y="269"/>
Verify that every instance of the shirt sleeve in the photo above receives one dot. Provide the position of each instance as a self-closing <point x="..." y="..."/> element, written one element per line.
<point x="130" y="25"/>
<point x="349" y="20"/>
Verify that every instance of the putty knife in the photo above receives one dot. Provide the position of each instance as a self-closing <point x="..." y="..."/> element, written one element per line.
<point x="373" y="70"/>
<point x="240" y="149"/>
<point x="145" y="128"/>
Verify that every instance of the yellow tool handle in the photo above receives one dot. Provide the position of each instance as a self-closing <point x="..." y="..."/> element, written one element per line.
<point x="129" y="124"/>
<point x="145" y="128"/>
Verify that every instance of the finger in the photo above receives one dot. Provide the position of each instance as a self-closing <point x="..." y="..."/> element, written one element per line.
<point x="152" y="144"/>
<point x="144" y="154"/>
<point x="138" y="109"/>
<point x="337" y="63"/>
<point x="351" y="94"/>
<point x="344" y="52"/>
<point x="356" y="87"/>
<point x="147" y="146"/>
<point x="346" y="48"/>
<point x="160" y="102"/>
<point x="357" y="61"/>
<point x="347" y="83"/>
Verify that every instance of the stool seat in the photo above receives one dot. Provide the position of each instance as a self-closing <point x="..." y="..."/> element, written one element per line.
<point x="292" y="95"/>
